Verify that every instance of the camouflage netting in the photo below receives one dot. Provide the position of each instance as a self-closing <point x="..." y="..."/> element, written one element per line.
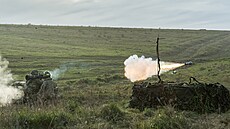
<point x="196" y="96"/>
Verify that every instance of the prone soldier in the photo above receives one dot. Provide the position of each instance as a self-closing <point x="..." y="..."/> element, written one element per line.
<point x="32" y="86"/>
<point x="38" y="89"/>
<point x="48" y="91"/>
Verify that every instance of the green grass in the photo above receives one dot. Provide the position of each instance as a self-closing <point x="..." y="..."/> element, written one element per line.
<point x="94" y="89"/>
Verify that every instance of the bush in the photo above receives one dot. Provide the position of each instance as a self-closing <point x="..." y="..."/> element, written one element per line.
<point x="72" y="106"/>
<point x="148" y="112"/>
<point x="112" y="113"/>
<point x="169" y="119"/>
<point x="41" y="119"/>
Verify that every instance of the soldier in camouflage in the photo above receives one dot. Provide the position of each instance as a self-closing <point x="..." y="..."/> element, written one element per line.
<point x="48" y="91"/>
<point x="32" y="87"/>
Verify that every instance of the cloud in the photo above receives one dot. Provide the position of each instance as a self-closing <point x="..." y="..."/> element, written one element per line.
<point x="210" y="14"/>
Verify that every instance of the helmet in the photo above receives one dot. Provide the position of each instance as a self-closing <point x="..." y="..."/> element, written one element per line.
<point x="47" y="74"/>
<point x="34" y="72"/>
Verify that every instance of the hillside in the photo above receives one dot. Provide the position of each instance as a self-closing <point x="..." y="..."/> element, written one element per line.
<point x="94" y="81"/>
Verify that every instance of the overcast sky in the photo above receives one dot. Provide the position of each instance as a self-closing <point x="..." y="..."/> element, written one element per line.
<point x="196" y="14"/>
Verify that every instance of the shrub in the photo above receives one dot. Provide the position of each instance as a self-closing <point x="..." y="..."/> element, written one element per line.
<point x="148" y="112"/>
<point x="112" y="113"/>
<point x="169" y="119"/>
<point x="72" y="106"/>
<point x="41" y="119"/>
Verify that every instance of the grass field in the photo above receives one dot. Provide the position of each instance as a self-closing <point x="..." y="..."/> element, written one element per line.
<point x="94" y="89"/>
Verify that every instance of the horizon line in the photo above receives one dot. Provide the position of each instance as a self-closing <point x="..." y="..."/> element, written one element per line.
<point x="121" y="27"/>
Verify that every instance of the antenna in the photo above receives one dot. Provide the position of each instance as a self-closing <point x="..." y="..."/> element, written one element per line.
<point x="158" y="59"/>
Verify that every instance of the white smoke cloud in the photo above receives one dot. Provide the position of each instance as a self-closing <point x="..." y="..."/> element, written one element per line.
<point x="7" y="93"/>
<point x="55" y="74"/>
<point x="141" y="68"/>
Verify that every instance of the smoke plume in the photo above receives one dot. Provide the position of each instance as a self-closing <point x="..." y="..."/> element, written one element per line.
<point x="55" y="74"/>
<point x="141" y="68"/>
<point x="7" y="93"/>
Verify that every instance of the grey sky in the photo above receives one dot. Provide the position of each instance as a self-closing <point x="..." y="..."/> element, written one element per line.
<point x="209" y="14"/>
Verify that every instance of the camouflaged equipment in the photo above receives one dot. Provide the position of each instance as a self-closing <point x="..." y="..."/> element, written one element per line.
<point x="38" y="76"/>
<point x="196" y="96"/>
<point x="193" y="96"/>
<point x="34" y="72"/>
<point x="31" y="89"/>
<point x="48" y="91"/>
<point x="38" y="89"/>
<point x="47" y="74"/>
